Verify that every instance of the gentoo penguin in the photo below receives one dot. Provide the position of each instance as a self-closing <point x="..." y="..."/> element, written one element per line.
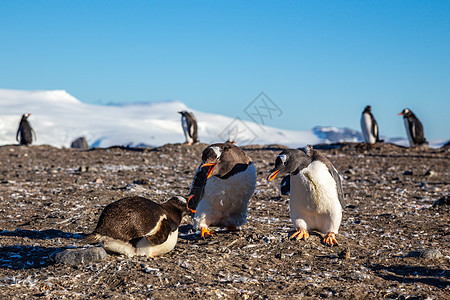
<point x="189" y="124"/>
<point x="222" y="187"/>
<point x="316" y="200"/>
<point x="25" y="131"/>
<point x="139" y="226"/>
<point x="414" y="128"/>
<point x="369" y="126"/>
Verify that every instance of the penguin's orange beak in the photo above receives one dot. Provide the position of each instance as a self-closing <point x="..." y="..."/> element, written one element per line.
<point x="211" y="168"/>
<point x="400" y="114"/>
<point x="273" y="175"/>
<point x="192" y="210"/>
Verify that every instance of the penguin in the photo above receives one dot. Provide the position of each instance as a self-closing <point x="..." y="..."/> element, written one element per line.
<point x="369" y="126"/>
<point x="136" y="226"/>
<point x="189" y="124"/>
<point x="316" y="199"/>
<point x="414" y="128"/>
<point x="221" y="188"/>
<point x="25" y="131"/>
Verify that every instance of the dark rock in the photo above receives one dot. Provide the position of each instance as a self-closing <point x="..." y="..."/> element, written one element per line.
<point x="80" y="256"/>
<point x="80" y="143"/>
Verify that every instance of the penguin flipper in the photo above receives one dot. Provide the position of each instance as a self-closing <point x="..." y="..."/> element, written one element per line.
<point x="160" y="236"/>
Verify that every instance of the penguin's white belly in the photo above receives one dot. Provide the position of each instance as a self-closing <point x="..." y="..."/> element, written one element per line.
<point x="314" y="203"/>
<point x="366" y="127"/>
<point x="225" y="201"/>
<point x="186" y="130"/>
<point x="143" y="248"/>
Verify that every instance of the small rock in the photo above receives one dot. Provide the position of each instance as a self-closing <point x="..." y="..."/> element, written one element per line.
<point x="431" y="173"/>
<point x="344" y="254"/>
<point x="358" y="275"/>
<point x="80" y="256"/>
<point x="135" y="188"/>
<point x="408" y="173"/>
<point x="442" y="201"/>
<point x="98" y="180"/>
<point x="430" y="254"/>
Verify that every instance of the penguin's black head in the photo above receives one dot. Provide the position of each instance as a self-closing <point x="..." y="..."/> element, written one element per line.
<point x="367" y="109"/>
<point x="406" y="113"/>
<point x="183" y="112"/>
<point x="26" y="115"/>
<point x="180" y="203"/>
<point x="290" y="161"/>
<point x="211" y="158"/>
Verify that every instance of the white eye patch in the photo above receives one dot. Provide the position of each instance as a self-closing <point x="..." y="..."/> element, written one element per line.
<point x="283" y="158"/>
<point x="217" y="151"/>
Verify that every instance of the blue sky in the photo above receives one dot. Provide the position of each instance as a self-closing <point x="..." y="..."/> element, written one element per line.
<point x="321" y="62"/>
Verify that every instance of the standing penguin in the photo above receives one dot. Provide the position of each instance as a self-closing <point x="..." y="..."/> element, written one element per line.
<point x="317" y="199"/>
<point x="25" y="131"/>
<point x="414" y="128"/>
<point x="139" y="226"/>
<point x="369" y="126"/>
<point x="189" y="124"/>
<point x="222" y="187"/>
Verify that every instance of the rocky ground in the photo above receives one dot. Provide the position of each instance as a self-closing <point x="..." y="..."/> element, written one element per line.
<point x="394" y="239"/>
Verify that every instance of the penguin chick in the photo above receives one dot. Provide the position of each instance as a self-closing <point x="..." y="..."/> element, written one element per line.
<point x="222" y="187"/>
<point x="369" y="126"/>
<point x="316" y="199"/>
<point x="414" y="128"/>
<point x="136" y="226"/>
<point x="189" y="124"/>
<point x="25" y="131"/>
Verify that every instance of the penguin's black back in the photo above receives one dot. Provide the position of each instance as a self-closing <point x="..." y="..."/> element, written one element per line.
<point x="416" y="130"/>
<point x="133" y="217"/>
<point x="25" y="131"/>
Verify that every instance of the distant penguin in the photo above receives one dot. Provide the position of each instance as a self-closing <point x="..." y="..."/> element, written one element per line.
<point x="25" y="131"/>
<point x="369" y="126"/>
<point x="222" y="187"/>
<point x="414" y="128"/>
<point x="189" y="124"/>
<point x="316" y="200"/>
<point x="136" y="226"/>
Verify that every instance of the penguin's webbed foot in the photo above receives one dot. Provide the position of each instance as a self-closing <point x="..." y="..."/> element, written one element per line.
<point x="300" y="234"/>
<point x="330" y="239"/>
<point x="206" y="232"/>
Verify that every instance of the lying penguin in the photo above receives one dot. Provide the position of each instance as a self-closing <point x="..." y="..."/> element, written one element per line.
<point x="222" y="187"/>
<point x="136" y="226"/>
<point x="316" y="196"/>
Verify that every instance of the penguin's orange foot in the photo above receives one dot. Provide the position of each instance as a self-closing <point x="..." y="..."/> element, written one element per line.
<point x="330" y="239"/>
<point x="300" y="234"/>
<point x="206" y="232"/>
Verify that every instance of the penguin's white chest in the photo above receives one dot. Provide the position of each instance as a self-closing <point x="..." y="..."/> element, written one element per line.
<point x="186" y="130"/>
<point x="314" y="202"/>
<point x="225" y="201"/>
<point x="367" y="129"/>
<point x="409" y="128"/>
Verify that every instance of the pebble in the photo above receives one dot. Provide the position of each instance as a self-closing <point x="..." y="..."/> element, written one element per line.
<point x="430" y="254"/>
<point x="80" y="256"/>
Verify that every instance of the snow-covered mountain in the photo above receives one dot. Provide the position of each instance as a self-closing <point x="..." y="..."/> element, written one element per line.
<point x="59" y="118"/>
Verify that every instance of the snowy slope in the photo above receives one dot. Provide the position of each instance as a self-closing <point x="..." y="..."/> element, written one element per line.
<point x="58" y="118"/>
